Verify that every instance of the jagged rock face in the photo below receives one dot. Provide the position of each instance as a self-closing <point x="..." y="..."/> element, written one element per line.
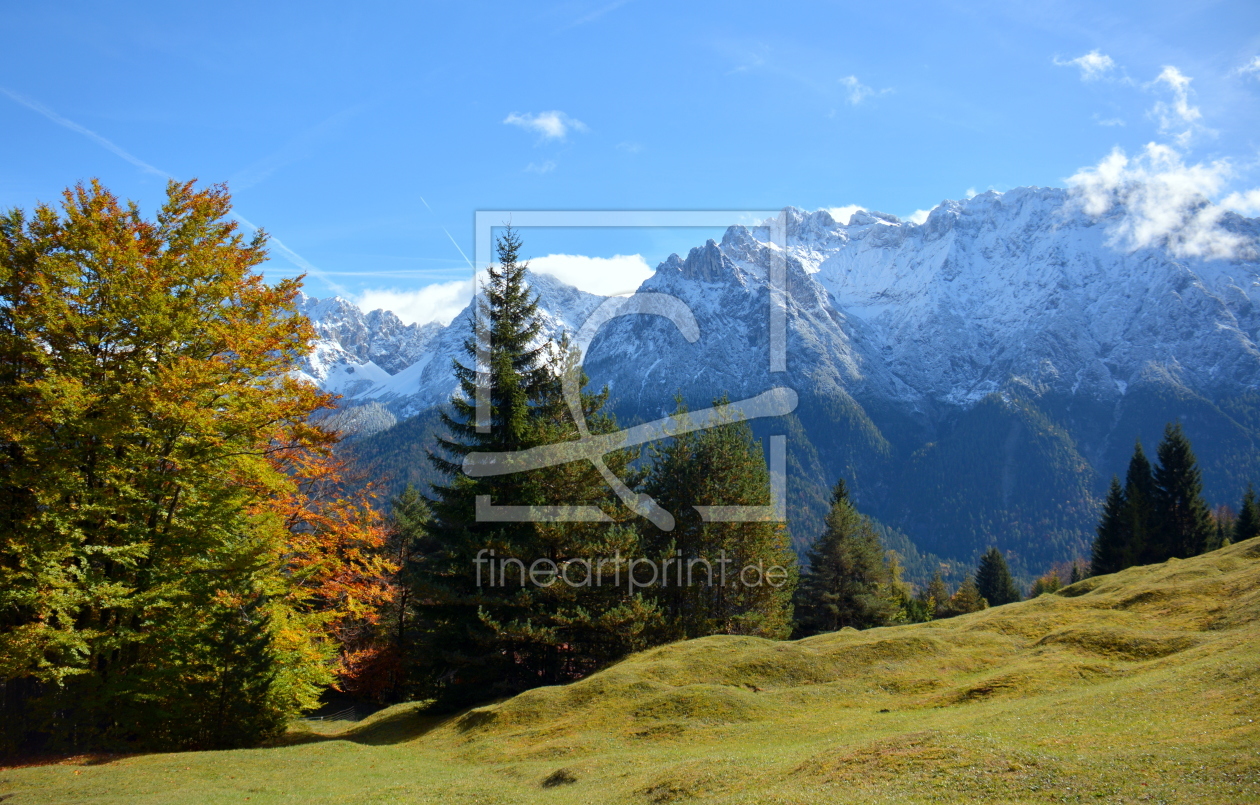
<point x="409" y="368"/>
<point x="1022" y="286"/>
<point x="895" y="331"/>
<point x="379" y="336"/>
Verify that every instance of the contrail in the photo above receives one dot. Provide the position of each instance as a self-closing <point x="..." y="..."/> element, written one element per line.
<point x="448" y="234"/>
<point x="292" y="256"/>
<point x="86" y="132"/>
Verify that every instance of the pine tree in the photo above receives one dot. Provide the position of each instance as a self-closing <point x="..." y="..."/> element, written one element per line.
<point x="1111" y="544"/>
<point x="583" y="621"/>
<point x="993" y="579"/>
<point x="1182" y="520"/>
<point x="461" y="655"/>
<point x="1247" y="526"/>
<point x="847" y="582"/>
<point x="1139" y="497"/>
<point x="718" y="466"/>
<point x="1078" y="573"/>
<point x="485" y="626"/>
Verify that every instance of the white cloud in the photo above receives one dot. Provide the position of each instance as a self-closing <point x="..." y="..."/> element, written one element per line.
<point x="546" y="166"/>
<point x="1245" y="202"/>
<point x="919" y="216"/>
<point x="971" y="193"/>
<point x="858" y="91"/>
<point x="605" y="276"/>
<point x="1093" y="65"/>
<point x="440" y="302"/>
<point x="553" y="125"/>
<point x="1179" y="113"/>
<point x="1110" y="121"/>
<point x="843" y="214"/>
<point x="1251" y="68"/>
<point x="1164" y="202"/>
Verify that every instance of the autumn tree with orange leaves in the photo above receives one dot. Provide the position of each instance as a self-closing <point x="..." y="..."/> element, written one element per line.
<point x="341" y="567"/>
<point x="180" y="562"/>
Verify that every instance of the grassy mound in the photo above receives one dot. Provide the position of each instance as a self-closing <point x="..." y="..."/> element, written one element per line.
<point x="1140" y="686"/>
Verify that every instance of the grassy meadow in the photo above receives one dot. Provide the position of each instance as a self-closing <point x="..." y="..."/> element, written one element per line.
<point x="1143" y="686"/>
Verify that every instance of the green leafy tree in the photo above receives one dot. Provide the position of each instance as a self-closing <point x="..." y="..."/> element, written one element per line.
<point x="1047" y="583"/>
<point x="1182" y="519"/>
<point x="1224" y="522"/>
<point x="1247" y="526"/>
<point x="935" y="596"/>
<point x="966" y="599"/>
<point x="993" y="579"/>
<point x="847" y="582"/>
<point x="910" y="608"/>
<point x="717" y="577"/>
<point x="145" y="412"/>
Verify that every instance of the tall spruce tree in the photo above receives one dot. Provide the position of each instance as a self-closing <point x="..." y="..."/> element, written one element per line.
<point x="461" y="655"/>
<point x="1111" y="542"/>
<point x="847" y="582"/>
<point x="1139" y="498"/>
<point x="1182" y="524"/>
<point x="993" y="579"/>
<point x="719" y="466"/>
<point x="1247" y="525"/>
<point x="484" y="625"/>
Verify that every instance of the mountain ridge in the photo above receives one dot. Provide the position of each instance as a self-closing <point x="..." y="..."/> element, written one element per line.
<point x="1012" y="304"/>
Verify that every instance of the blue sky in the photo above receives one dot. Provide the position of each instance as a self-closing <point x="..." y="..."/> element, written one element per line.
<point x="365" y="136"/>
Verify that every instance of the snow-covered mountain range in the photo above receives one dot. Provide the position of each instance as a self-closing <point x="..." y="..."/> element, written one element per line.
<point x="1010" y="309"/>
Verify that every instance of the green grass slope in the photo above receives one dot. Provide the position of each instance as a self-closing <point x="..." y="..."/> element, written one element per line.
<point x="1143" y="686"/>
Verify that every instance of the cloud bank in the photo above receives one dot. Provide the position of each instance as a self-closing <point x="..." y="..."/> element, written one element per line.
<point x="443" y="301"/>
<point x="841" y="215"/>
<point x="440" y="302"/>
<point x="605" y="276"/>
<point x="1165" y="202"/>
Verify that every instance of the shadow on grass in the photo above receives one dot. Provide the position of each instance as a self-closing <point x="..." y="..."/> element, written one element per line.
<point x="394" y="725"/>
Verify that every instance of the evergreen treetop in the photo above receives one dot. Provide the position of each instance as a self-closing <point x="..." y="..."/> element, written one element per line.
<point x="847" y="582"/>
<point x="1247" y="525"/>
<point x="718" y="466"/>
<point x="1183" y="522"/>
<point x="993" y="579"/>
<point x="1111" y="545"/>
